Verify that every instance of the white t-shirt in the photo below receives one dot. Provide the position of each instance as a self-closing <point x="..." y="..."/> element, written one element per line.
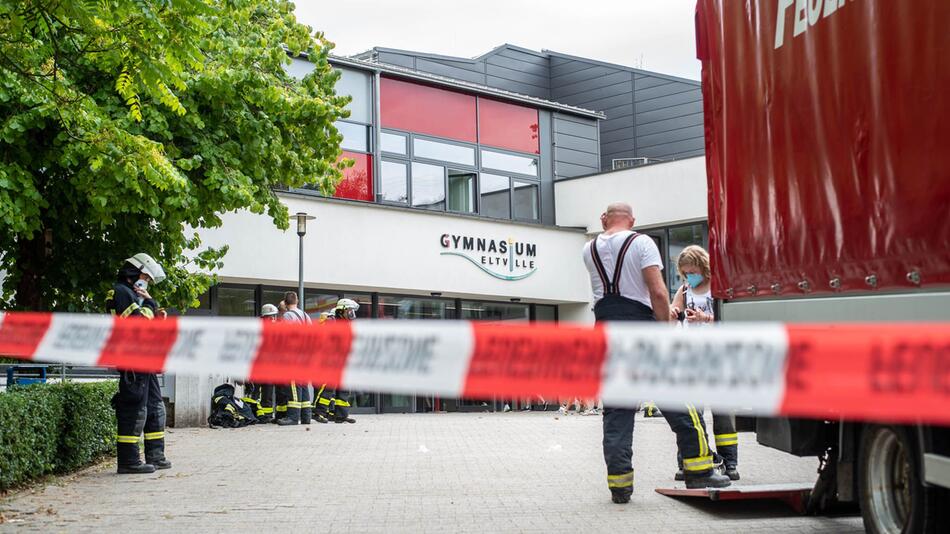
<point x="641" y="254"/>
<point x="698" y="301"/>
<point x="296" y="315"/>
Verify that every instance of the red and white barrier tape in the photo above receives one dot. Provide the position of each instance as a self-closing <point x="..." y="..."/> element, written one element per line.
<point x="889" y="372"/>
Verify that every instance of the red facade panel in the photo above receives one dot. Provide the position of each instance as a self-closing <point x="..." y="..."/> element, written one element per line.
<point x="357" y="181"/>
<point x="826" y="144"/>
<point x="427" y="110"/>
<point x="508" y="126"/>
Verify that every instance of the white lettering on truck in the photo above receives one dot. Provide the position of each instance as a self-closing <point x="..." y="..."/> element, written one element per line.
<point x="807" y="13"/>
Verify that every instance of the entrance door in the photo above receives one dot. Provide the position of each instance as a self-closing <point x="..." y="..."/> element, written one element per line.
<point x="413" y="308"/>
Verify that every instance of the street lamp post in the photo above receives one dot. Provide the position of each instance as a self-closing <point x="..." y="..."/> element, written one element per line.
<point x="302" y="219"/>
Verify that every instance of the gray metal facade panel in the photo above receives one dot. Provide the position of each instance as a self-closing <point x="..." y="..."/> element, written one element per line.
<point x="569" y="170"/>
<point x="573" y="135"/>
<point x="611" y="124"/>
<point x="546" y="167"/>
<point x="563" y="140"/>
<point x="597" y="93"/>
<point x="663" y="90"/>
<point x="537" y="66"/>
<point x="616" y="135"/>
<point x="523" y="88"/>
<point x="561" y="88"/>
<point x="675" y="123"/>
<point x="517" y="76"/>
<point x="577" y="128"/>
<point x="623" y="110"/>
<point x="669" y="101"/>
<point x="670" y="136"/>
<point x="577" y="157"/>
<point x="401" y="60"/>
<point x="450" y="71"/>
<point x="562" y="67"/>
<point x="691" y="108"/>
<point x="646" y="82"/>
<point x="679" y="149"/>
<point x="589" y="73"/>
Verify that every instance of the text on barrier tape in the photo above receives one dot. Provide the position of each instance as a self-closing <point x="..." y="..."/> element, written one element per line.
<point x="887" y="372"/>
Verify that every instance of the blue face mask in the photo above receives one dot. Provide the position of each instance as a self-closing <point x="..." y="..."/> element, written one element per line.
<point x="694" y="280"/>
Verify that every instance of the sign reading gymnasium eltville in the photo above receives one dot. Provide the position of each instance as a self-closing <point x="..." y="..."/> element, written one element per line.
<point x="505" y="259"/>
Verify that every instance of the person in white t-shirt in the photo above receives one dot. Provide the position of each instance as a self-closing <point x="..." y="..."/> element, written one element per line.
<point x="627" y="283"/>
<point x="695" y="301"/>
<point x="293" y="400"/>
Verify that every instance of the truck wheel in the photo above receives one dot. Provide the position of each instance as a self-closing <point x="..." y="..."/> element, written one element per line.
<point x="893" y="500"/>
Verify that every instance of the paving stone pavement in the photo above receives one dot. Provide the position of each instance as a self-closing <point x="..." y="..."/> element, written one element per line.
<point x="514" y="472"/>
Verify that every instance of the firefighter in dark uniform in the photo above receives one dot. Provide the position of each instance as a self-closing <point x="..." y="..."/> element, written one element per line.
<point x="333" y="404"/>
<point x="260" y="397"/>
<point x="627" y="283"/>
<point x="138" y="404"/>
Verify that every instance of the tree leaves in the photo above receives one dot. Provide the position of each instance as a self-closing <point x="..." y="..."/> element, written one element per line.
<point x="124" y="122"/>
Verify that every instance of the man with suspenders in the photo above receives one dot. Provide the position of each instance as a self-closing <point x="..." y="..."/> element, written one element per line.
<point x="627" y="284"/>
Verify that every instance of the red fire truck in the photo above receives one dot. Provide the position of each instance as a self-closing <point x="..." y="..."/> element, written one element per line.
<point x="828" y="160"/>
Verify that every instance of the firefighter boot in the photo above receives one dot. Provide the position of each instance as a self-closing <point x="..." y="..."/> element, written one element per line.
<point x="708" y="479"/>
<point x="135" y="469"/>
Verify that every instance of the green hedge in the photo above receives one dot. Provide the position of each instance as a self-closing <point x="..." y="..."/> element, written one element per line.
<point x="54" y="428"/>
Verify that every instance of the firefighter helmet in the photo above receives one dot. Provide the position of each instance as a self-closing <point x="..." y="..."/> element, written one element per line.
<point x="147" y="265"/>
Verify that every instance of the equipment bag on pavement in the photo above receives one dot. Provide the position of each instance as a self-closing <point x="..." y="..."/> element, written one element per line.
<point x="227" y="411"/>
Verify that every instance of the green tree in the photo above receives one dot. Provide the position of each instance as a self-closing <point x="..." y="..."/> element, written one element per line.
<point x="125" y="122"/>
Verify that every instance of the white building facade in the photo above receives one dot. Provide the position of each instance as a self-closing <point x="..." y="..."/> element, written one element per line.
<point x="466" y="203"/>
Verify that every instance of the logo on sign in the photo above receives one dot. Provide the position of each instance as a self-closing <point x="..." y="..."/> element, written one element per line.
<point x="505" y="259"/>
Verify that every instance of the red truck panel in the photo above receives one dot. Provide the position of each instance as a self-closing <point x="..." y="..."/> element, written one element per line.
<point x="827" y="143"/>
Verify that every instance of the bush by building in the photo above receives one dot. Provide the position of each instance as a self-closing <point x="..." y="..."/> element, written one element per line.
<point x="54" y="428"/>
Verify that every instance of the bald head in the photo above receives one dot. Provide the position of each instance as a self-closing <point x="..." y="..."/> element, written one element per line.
<point x="618" y="217"/>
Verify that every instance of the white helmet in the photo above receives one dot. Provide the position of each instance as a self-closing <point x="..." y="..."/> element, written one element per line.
<point x="268" y="310"/>
<point x="347" y="308"/>
<point x="147" y="265"/>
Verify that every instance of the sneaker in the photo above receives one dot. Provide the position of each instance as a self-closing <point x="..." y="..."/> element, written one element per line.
<point x="710" y="479"/>
<point x="140" y="469"/>
<point x="506" y="408"/>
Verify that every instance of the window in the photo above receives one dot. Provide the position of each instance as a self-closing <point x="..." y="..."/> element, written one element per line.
<point x="357" y="84"/>
<point x="357" y="181"/>
<point x="415" y="308"/>
<point x="495" y="196"/>
<point x="428" y="186"/>
<point x="510" y="126"/>
<point x="462" y="191"/>
<point x="366" y="304"/>
<point x="393" y="143"/>
<point x="543" y="312"/>
<point x="355" y="136"/>
<point x="392" y="183"/>
<point x="494" y="311"/>
<point x="525" y="200"/>
<point x="680" y="237"/>
<point x="237" y="302"/>
<point x="427" y="110"/>
<point x="424" y="148"/>
<point x="509" y="162"/>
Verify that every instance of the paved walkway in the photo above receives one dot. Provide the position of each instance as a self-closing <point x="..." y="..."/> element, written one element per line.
<point x="516" y="472"/>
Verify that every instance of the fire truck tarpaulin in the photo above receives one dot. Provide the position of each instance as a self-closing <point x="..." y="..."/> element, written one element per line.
<point x="827" y="143"/>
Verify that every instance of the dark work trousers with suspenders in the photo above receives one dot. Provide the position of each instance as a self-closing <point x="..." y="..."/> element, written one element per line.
<point x="618" y="422"/>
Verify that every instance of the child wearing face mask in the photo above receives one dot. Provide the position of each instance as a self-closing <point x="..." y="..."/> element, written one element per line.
<point x="693" y="303"/>
<point x="693" y="306"/>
